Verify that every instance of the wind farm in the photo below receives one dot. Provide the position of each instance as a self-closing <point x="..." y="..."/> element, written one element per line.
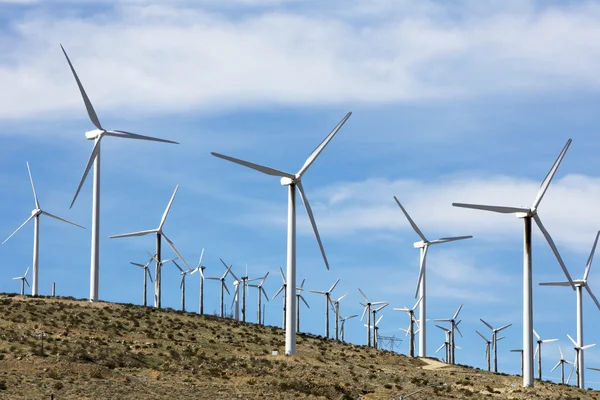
<point x="396" y="103"/>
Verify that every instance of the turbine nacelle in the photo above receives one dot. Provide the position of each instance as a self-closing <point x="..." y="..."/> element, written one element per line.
<point x="286" y="181"/>
<point x="36" y="212"/>
<point x="531" y="213"/>
<point x="420" y="245"/>
<point x="93" y="135"/>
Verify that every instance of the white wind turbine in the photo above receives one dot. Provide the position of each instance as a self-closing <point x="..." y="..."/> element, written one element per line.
<point x="578" y="353"/>
<point x="423" y="246"/>
<point x="579" y="285"/>
<point x="562" y="363"/>
<point x="367" y="309"/>
<point x="35" y="216"/>
<point x="327" y="295"/>
<point x="261" y="292"/>
<point x="298" y="298"/>
<point x="159" y="235"/>
<point x="147" y="274"/>
<point x="283" y="289"/>
<point x="538" y="351"/>
<point x="411" y="326"/>
<point x="23" y="281"/>
<point x="335" y="305"/>
<point x="453" y="327"/>
<point x="375" y="328"/>
<point x="446" y="344"/>
<point x="97" y="135"/>
<point x="494" y="340"/>
<point x="343" y="324"/>
<point x="200" y="268"/>
<point x="223" y="287"/>
<point x="528" y="214"/>
<point x="184" y="273"/>
<point x="235" y="304"/>
<point x="488" y="353"/>
<point x="293" y="181"/>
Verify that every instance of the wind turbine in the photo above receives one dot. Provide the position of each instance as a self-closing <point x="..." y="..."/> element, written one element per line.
<point x="96" y="135"/>
<point x="375" y="311"/>
<point x="562" y="363"/>
<point x="528" y="214"/>
<point x="23" y="281"/>
<point x="579" y="285"/>
<point x="453" y="327"/>
<point x="235" y="304"/>
<point x="578" y="353"/>
<point x="367" y="309"/>
<point x="446" y="344"/>
<point x="538" y="351"/>
<point x="184" y="273"/>
<point x="343" y="324"/>
<point x="494" y="340"/>
<point x="335" y="305"/>
<point x="375" y="328"/>
<point x="159" y="234"/>
<point x="261" y="292"/>
<point x="223" y="287"/>
<point x="147" y="274"/>
<point x="487" y="356"/>
<point x="327" y="295"/>
<point x="411" y="327"/>
<point x="200" y="268"/>
<point x="283" y="289"/>
<point x="35" y="216"/>
<point x="298" y="298"/>
<point x="423" y="245"/>
<point x="293" y="181"/>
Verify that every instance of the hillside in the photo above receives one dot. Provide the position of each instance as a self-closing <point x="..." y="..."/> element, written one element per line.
<point x="119" y="351"/>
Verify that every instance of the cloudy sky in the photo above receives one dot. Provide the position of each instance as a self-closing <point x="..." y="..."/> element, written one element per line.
<point x="466" y="101"/>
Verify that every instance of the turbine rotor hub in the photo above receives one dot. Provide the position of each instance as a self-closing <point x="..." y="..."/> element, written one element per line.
<point x="93" y="135"/>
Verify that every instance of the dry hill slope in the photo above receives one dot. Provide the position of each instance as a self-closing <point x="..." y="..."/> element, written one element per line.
<point x="115" y="351"/>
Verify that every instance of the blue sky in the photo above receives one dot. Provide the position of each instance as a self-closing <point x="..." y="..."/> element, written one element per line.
<point x="451" y="103"/>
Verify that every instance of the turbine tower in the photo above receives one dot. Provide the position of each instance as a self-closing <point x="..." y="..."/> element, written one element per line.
<point x="261" y="292"/>
<point x="411" y="326"/>
<point x="494" y="340"/>
<point x="147" y="274"/>
<point x="96" y="135"/>
<point x="327" y="295"/>
<point x="293" y="181"/>
<point x="35" y="215"/>
<point x="158" y="256"/>
<point x="528" y="214"/>
<point x="200" y="268"/>
<point x="579" y="285"/>
<point x="423" y="246"/>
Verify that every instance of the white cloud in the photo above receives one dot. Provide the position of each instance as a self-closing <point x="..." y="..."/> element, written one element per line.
<point x="147" y="56"/>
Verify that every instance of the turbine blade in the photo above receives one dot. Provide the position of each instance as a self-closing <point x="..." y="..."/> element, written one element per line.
<point x="363" y="295"/>
<point x="199" y="267"/>
<point x="488" y="325"/>
<point x="37" y="203"/>
<point x="302" y="298"/>
<point x="26" y="272"/>
<point x="450" y="239"/>
<point x="504" y="327"/>
<point x="382" y="307"/>
<point x="317" y="291"/>
<point x="457" y="311"/>
<point x="537" y="348"/>
<point x="172" y="246"/>
<point x="164" y="216"/>
<point x="556" y="366"/>
<point x="498" y="209"/>
<point x="312" y="220"/>
<point x="417" y="303"/>
<point x="282" y="275"/>
<point x="137" y="264"/>
<point x="588" y="346"/>
<point x="410" y="221"/>
<point x="261" y="168"/>
<point x="279" y="291"/>
<point x="60" y="219"/>
<point x="262" y="289"/>
<point x="25" y="279"/>
<point x="140" y="233"/>
<point x="458" y="330"/>
<point x="549" y="340"/>
<point x="129" y="135"/>
<point x="364" y="312"/>
<point x="561" y="353"/>
<point x="149" y="275"/>
<point x="538" y="221"/>
<point x="536" y="334"/>
<point x="226" y="289"/>
<point x="313" y="156"/>
<point x="86" y="100"/>
<point x="333" y="286"/>
<point x="340" y="299"/>
<point x="555" y="284"/>
<point x="574" y="342"/>
<point x="483" y="337"/>
<point x="91" y="160"/>
<point x="22" y="225"/>
<point x="441" y="347"/>
<point x="591" y="258"/>
<point x="548" y="178"/>
<point x="592" y="296"/>
<point x="178" y="267"/>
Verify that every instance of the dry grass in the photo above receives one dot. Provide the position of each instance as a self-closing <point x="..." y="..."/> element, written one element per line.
<point x="116" y="351"/>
